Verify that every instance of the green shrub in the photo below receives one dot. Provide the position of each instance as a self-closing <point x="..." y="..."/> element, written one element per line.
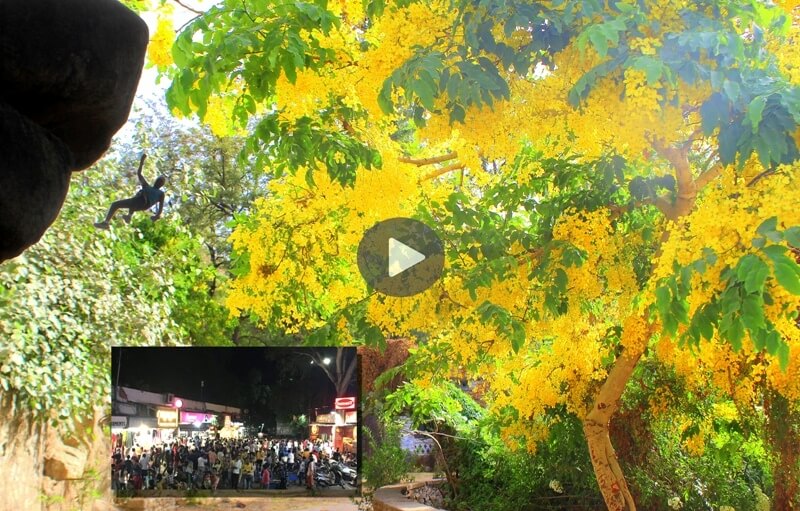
<point x="387" y="463"/>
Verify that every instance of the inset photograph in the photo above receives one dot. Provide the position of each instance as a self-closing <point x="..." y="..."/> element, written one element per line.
<point x="235" y="421"/>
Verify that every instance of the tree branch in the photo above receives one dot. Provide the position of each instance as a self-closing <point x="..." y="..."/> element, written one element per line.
<point x="348" y="374"/>
<point x="679" y="159"/>
<point x="686" y="189"/>
<point x="441" y="171"/>
<point x="187" y="7"/>
<point x="428" y="161"/>
<point x="662" y="203"/>
<point x="761" y="176"/>
<point x="708" y="176"/>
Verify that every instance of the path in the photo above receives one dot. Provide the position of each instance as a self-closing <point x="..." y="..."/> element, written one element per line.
<point x="241" y="504"/>
<point x="294" y="499"/>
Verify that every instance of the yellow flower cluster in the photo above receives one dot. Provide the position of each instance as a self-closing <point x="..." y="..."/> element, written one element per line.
<point x="695" y="445"/>
<point x="159" y="51"/>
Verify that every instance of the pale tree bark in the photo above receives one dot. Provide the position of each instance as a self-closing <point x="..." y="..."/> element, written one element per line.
<point x="596" y="428"/>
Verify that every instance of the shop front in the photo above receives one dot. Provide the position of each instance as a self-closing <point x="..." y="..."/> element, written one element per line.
<point x="339" y="427"/>
<point x="135" y="432"/>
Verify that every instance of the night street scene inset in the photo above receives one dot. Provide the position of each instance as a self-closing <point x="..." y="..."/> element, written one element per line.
<point x="225" y="421"/>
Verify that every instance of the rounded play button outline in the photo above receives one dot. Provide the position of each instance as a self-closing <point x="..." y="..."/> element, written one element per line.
<point x="400" y="257"/>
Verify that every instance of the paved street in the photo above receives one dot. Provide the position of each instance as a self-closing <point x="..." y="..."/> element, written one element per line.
<point x="236" y="503"/>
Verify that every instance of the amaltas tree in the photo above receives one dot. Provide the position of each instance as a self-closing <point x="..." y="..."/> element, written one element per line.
<point x="612" y="180"/>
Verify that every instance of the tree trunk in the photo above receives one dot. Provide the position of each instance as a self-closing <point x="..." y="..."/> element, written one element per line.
<point x="784" y="439"/>
<point x="596" y="428"/>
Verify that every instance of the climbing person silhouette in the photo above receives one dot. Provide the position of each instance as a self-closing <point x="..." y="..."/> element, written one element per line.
<point x="144" y="199"/>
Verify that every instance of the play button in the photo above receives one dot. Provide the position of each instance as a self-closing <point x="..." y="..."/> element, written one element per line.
<point x="400" y="257"/>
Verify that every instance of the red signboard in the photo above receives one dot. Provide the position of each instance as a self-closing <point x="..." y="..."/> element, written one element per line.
<point x="345" y="403"/>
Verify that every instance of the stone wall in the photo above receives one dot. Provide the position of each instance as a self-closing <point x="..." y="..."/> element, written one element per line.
<point x="391" y="498"/>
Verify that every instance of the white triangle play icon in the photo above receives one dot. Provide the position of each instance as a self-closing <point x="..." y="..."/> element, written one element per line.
<point x="402" y="257"/>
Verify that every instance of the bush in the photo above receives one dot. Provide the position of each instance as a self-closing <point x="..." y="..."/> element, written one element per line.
<point x="388" y="463"/>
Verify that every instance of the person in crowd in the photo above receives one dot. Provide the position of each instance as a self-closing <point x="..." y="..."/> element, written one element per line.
<point x="259" y="458"/>
<point x="226" y="471"/>
<point x="144" y="464"/>
<point x="311" y="472"/>
<point x="247" y="473"/>
<point x="265" y="477"/>
<point x="201" y="462"/>
<point x="236" y="470"/>
<point x="215" y="471"/>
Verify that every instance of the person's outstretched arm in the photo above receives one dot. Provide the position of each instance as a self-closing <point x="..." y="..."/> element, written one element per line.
<point x="142" y="180"/>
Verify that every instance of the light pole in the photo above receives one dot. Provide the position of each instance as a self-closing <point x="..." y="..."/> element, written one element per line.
<point x="178" y="405"/>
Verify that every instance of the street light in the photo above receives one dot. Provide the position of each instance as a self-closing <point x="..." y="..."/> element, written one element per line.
<point x="326" y="360"/>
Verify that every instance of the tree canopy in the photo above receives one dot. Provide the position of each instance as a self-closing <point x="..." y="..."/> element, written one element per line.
<point x="612" y="180"/>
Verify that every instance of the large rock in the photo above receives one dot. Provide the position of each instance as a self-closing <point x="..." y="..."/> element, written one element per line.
<point x="68" y="74"/>
<point x="72" y="66"/>
<point x="34" y="177"/>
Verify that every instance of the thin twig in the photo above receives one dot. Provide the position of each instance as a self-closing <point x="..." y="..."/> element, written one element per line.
<point x="760" y="177"/>
<point x="187" y="7"/>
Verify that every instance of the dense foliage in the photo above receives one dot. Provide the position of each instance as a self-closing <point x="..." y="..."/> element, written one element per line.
<point x="614" y="182"/>
<point x="79" y="291"/>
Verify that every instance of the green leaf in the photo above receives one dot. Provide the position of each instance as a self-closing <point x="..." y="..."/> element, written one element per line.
<point x="735" y="333"/>
<point x="425" y="92"/>
<point x="561" y="280"/>
<point x="652" y="67"/>
<point x="373" y="336"/>
<point x="753" y="312"/>
<point x="745" y="265"/>
<point x="599" y="41"/>
<point x="713" y="112"/>
<point x="792" y="236"/>
<point x="783" y="355"/>
<point x="768" y="228"/>
<point x="787" y="276"/>
<point x="773" y="342"/>
<point x="776" y="253"/>
<point x="731" y="89"/>
<point x="756" y="276"/>
<point x="759" y="339"/>
<point x="705" y="326"/>
<point x="517" y="335"/>
<point x="755" y="110"/>
<point x="385" y="97"/>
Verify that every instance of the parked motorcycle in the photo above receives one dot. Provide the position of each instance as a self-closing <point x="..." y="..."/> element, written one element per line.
<point x="325" y="477"/>
<point x="343" y="474"/>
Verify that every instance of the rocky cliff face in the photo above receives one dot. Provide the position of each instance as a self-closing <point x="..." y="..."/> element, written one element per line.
<point x="68" y="74"/>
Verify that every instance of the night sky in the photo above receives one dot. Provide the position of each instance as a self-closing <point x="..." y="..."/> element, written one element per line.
<point x="271" y="383"/>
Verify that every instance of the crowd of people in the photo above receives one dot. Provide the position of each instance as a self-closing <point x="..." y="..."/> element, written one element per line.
<point x="214" y="463"/>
